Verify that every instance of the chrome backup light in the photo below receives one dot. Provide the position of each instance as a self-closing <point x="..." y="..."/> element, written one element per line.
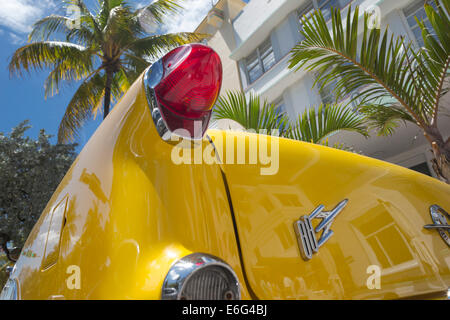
<point x="200" y="276"/>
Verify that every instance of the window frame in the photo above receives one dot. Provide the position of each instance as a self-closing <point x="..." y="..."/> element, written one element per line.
<point x="312" y="5"/>
<point x="260" y="56"/>
<point x="331" y="95"/>
<point x="280" y="107"/>
<point x="408" y="27"/>
<point x="278" y="103"/>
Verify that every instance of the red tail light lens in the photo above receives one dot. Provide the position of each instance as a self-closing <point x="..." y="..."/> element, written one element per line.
<point x="189" y="84"/>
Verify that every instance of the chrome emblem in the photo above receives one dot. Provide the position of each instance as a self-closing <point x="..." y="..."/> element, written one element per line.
<point x="306" y="234"/>
<point x="439" y="217"/>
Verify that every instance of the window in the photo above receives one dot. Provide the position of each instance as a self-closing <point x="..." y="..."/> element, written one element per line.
<point x="259" y="61"/>
<point x="326" y="93"/>
<point x="306" y="10"/>
<point x="280" y="109"/>
<point x="417" y="10"/>
<point x="422" y="168"/>
<point x="324" y="6"/>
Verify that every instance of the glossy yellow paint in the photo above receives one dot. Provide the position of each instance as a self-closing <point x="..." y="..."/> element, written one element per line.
<point x="381" y="225"/>
<point x="130" y="213"/>
<point x="125" y="212"/>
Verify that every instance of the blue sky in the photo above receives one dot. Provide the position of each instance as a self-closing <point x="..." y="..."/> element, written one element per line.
<point x="23" y="98"/>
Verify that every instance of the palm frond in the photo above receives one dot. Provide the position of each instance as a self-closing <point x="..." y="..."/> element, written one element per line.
<point x="47" y="26"/>
<point x="384" y="118"/>
<point x="86" y="15"/>
<point x="134" y="65"/>
<point x="44" y="54"/>
<point x="56" y="24"/>
<point x="160" y="9"/>
<point x="378" y="68"/>
<point x="117" y="32"/>
<point x="105" y="10"/>
<point x="157" y="45"/>
<point x="315" y="126"/>
<point x="250" y="113"/>
<point x="79" y="109"/>
<point x="64" y="70"/>
<point x="434" y="58"/>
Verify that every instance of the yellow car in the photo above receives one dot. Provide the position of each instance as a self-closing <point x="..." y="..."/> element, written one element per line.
<point x="158" y="207"/>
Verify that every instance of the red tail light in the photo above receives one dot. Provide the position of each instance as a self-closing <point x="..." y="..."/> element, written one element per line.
<point x="183" y="87"/>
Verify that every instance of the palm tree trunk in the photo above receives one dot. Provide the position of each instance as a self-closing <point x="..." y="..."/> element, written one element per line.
<point x="107" y="97"/>
<point x="441" y="151"/>
<point x="441" y="161"/>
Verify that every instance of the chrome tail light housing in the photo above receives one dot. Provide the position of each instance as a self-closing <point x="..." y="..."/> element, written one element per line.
<point x="200" y="276"/>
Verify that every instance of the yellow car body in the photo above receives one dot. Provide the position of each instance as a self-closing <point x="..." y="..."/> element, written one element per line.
<point x="126" y="212"/>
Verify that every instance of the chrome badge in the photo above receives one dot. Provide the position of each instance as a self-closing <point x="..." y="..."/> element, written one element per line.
<point x="440" y="218"/>
<point x="306" y="234"/>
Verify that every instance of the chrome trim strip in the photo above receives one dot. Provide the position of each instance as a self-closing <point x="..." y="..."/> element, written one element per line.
<point x="152" y="78"/>
<point x="436" y="226"/>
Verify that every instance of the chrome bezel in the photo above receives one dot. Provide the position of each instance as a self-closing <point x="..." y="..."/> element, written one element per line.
<point x="183" y="269"/>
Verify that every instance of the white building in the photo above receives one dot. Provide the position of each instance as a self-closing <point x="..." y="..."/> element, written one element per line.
<point x="254" y="40"/>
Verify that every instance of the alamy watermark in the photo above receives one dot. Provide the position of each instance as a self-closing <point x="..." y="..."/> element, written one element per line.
<point x="73" y="281"/>
<point x="239" y="148"/>
<point x="374" y="20"/>
<point x="74" y="17"/>
<point x="374" y="279"/>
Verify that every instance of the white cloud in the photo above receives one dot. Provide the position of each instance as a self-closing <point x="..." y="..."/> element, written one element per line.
<point x="19" y="15"/>
<point x="15" y="39"/>
<point x="194" y="12"/>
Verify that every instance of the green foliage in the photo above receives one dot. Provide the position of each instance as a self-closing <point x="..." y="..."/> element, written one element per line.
<point x="249" y="112"/>
<point x="4" y="263"/>
<point x="312" y="126"/>
<point x="316" y="126"/>
<point x="394" y="80"/>
<point x="30" y="171"/>
<point x="384" y="66"/>
<point x="384" y="119"/>
<point x="105" y="50"/>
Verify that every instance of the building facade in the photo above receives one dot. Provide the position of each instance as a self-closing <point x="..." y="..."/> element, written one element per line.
<point x="254" y="40"/>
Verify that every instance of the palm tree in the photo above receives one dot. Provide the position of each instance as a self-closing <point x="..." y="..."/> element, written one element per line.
<point x="107" y="50"/>
<point x="310" y="126"/>
<point x="394" y="81"/>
